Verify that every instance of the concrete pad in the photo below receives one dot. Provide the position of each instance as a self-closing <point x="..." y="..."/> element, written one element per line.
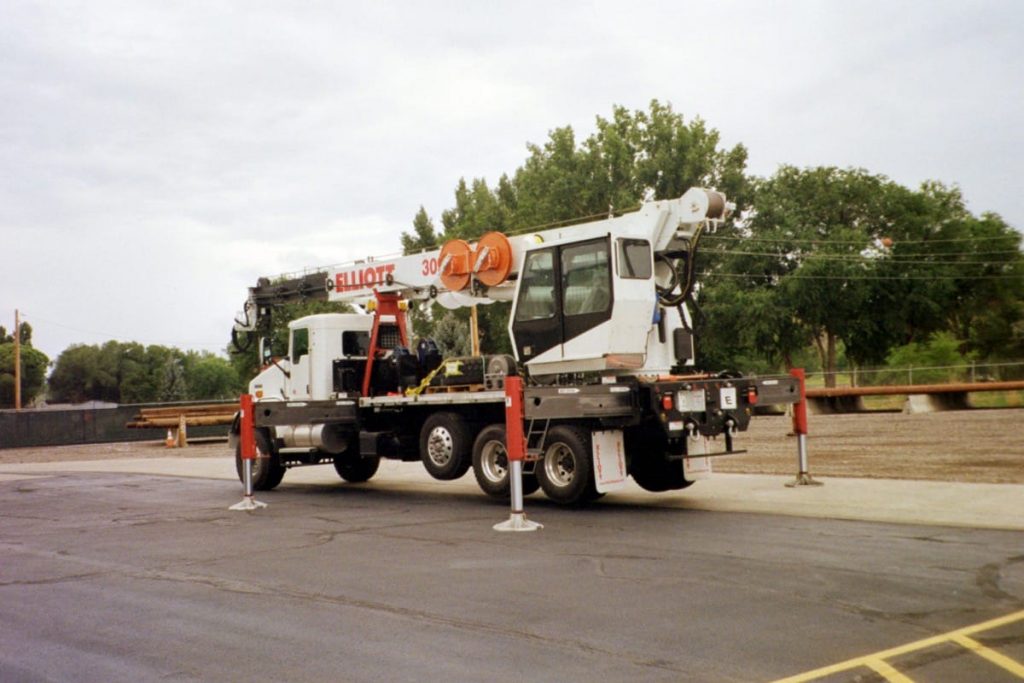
<point x="934" y="403"/>
<point x="989" y="506"/>
<point x="18" y="477"/>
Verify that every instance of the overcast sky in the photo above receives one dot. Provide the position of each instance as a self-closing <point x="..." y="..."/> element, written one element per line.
<point x="157" y="157"/>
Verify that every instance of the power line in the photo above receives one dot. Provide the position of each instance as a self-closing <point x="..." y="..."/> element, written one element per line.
<point x="111" y="336"/>
<point x="904" y="259"/>
<point x="798" y="276"/>
<point x="865" y="241"/>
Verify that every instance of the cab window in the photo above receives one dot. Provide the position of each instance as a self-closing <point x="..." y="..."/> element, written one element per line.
<point x="300" y="343"/>
<point x="537" y="293"/>
<point x="634" y="259"/>
<point x="355" y="344"/>
<point x="587" y="278"/>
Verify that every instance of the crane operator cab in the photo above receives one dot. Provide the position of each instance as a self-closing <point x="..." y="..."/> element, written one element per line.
<point x="592" y="306"/>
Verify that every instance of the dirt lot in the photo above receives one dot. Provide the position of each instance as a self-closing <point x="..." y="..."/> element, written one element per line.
<point x="965" y="445"/>
<point x="969" y="446"/>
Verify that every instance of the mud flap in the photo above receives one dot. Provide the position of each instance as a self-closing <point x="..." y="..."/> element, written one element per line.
<point x="696" y="467"/>
<point x="609" y="460"/>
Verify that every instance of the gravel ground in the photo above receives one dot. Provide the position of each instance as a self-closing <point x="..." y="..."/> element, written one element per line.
<point x="982" y="446"/>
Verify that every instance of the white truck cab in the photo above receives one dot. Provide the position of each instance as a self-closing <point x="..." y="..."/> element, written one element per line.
<point x="314" y="343"/>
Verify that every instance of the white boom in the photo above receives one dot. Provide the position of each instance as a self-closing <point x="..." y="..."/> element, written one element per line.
<point x="653" y="240"/>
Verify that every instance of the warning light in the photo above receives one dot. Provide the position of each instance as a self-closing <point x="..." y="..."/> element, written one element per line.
<point x="666" y="401"/>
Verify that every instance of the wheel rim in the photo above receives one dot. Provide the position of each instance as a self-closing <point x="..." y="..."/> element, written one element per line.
<point x="440" y="446"/>
<point x="260" y="463"/>
<point x="494" y="461"/>
<point x="559" y="464"/>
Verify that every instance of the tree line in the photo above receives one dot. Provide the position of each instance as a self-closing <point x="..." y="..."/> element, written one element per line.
<point x="117" y="372"/>
<point x="128" y="372"/>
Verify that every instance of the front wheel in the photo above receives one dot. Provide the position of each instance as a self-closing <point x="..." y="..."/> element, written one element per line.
<point x="566" y="471"/>
<point x="491" y="466"/>
<point x="267" y="470"/>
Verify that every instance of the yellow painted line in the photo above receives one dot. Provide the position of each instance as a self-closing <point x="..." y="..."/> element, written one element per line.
<point x="1000" y="660"/>
<point x="886" y="671"/>
<point x="904" y="649"/>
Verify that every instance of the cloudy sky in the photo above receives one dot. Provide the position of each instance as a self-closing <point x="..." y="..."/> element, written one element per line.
<point x="156" y="157"/>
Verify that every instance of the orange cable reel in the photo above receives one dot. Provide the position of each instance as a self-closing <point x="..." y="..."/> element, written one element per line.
<point x="492" y="260"/>
<point x="456" y="259"/>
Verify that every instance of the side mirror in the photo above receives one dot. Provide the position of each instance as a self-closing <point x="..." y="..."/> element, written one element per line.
<point x="268" y="353"/>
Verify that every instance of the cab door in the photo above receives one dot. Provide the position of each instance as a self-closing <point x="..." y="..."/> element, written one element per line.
<point x="564" y="291"/>
<point x="536" y="324"/>
<point x="298" y="351"/>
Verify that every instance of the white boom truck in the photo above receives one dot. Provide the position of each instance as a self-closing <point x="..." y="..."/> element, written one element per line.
<point x="598" y="320"/>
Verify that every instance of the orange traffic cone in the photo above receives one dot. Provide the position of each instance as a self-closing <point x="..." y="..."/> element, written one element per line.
<point x="170" y="439"/>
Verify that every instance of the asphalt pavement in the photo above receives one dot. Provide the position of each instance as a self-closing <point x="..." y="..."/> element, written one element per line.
<point x="135" y="570"/>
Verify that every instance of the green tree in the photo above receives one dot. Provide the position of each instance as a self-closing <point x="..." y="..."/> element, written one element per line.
<point x="804" y="264"/>
<point x="211" y="377"/>
<point x="33" y="373"/>
<point x="452" y="336"/>
<point x="936" y="359"/>
<point x="173" y="385"/>
<point x="854" y="263"/>
<point x="423" y="237"/>
<point x="74" y="374"/>
<point x="33" y="368"/>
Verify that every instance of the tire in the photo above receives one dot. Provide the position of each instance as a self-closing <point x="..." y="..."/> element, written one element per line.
<point x="650" y="469"/>
<point x="566" y="470"/>
<point x="490" y="465"/>
<point x="657" y="474"/>
<point x="646" y="475"/>
<point x="355" y="469"/>
<point x="267" y="471"/>
<point x="446" y="445"/>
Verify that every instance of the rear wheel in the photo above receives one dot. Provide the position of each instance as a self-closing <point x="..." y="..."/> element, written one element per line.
<point x="355" y="469"/>
<point x="657" y="474"/>
<point x="651" y="470"/>
<point x="491" y="465"/>
<point x="267" y="470"/>
<point x="566" y="471"/>
<point x="446" y="446"/>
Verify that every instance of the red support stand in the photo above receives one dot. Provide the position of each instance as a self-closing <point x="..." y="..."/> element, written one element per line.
<point x="387" y="304"/>
<point x="248" y="451"/>
<point x="803" y="477"/>
<point x="515" y="449"/>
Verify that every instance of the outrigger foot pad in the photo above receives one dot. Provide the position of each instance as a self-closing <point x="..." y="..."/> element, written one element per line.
<point x="248" y="503"/>
<point x="804" y="479"/>
<point x="517" y="522"/>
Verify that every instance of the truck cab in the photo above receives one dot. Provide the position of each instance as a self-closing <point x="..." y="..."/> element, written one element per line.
<point x="315" y="344"/>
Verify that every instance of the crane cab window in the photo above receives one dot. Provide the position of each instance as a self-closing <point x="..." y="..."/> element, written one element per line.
<point x="355" y="344"/>
<point x="300" y="343"/>
<point x="537" y="293"/>
<point x="587" y="278"/>
<point x="634" y="259"/>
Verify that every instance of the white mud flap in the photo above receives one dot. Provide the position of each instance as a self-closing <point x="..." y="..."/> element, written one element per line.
<point x="696" y="468"/>
<point x="609" y="460"/>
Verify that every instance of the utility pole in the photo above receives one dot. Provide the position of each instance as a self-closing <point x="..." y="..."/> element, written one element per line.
<point x="17" y="361"/>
